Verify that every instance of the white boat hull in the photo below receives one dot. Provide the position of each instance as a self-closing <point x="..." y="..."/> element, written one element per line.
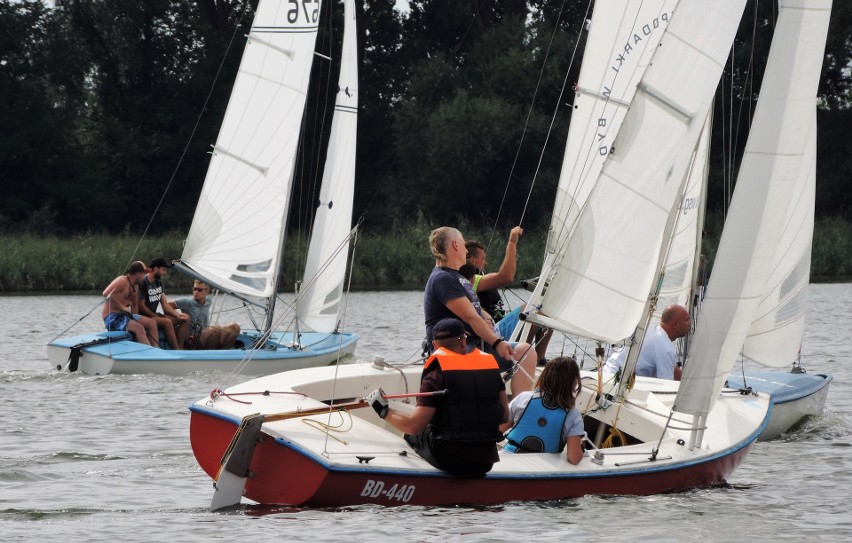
<point x="118" y="355"/>
<point x="795" y="395"/>
<point x="363" y="460"/>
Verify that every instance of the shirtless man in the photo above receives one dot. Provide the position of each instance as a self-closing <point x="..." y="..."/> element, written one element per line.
<point x="122" y="304"/>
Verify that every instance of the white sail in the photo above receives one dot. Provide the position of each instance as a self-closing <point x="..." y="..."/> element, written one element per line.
<point x="680" y="267"/>
<point x="601" y="279"/>
<point x="777" y="154"/>
<point x="322" y="287"/>
<point x="237" y="232"/>
<point x="623" y="36"/>
<point x="775" y="336"/>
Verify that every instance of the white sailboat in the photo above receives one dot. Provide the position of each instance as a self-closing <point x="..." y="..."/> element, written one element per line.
<point x="237" y="236"/>
<point x="366" y="461"/>
<point x="774" y="337"/>
<point x="754" y="300"/>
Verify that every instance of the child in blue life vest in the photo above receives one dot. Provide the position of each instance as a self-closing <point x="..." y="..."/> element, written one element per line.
<point x="545" y="419"/>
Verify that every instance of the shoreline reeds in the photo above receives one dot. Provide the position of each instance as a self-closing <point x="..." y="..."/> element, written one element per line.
<point x="395" y="258"/>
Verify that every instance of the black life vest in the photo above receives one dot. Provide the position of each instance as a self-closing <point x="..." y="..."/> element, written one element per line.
<point x="471" y="410"/>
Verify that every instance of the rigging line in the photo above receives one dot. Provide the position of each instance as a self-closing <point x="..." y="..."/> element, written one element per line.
<point x="553" y="117"/>
<point x="308" y="170"/>
<point x="354" y="236"/>
<point x="387" y="174"/>
<point x="264" y="337"/>
<point x="565" y="227"/>
<point x="455" y="50"/>
<point x="527" y="120"/>
<point x="78" y="321"/>
<point x="192" y="134"/>
<point x="314" y="179"/>
<point x="745" y="97"/>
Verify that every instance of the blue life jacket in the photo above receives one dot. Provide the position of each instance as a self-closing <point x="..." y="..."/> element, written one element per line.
<point x="539" y="428"/>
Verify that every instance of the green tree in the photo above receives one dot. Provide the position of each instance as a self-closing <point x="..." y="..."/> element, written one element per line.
<point x="42" y="152"/>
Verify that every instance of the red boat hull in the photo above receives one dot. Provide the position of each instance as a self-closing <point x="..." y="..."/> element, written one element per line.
<point x="283" y="475"/>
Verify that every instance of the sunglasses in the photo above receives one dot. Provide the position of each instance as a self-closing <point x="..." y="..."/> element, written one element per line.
<point x="199" y="289"/>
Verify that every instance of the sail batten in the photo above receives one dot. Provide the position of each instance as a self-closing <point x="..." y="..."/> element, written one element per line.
<point x="239" y="222"/>
<point x="612" y="251"/>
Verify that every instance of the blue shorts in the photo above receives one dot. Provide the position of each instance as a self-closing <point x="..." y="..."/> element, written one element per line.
<point x="507" y="324"/>
<point x="117" y="322"/>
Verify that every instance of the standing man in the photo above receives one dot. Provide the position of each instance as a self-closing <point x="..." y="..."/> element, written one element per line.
<point x="458" y="431"/>
<point x="201" y="334"/>
<point x="658" y="357"/>
<point x="121" y="304"/>
<point x="155" y="305"/>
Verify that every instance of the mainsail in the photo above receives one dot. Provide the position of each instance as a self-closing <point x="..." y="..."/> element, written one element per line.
<point x="236" y="238"/>
<point x="779" y="153"/>
<point x="321" y="294"/>
<point x="600" y="282"/>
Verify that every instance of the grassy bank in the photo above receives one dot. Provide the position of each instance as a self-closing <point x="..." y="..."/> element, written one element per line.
<point x="395" y="258"/>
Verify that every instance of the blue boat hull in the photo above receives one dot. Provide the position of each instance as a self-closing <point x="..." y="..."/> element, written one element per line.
<point x="113" y="352"/>
<point x="795" y="395"/>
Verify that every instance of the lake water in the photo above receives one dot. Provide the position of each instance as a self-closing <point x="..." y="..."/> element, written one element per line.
<point x="107" y="458"/>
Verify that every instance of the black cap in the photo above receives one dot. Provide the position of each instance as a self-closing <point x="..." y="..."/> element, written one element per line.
<point x="160" y="263"/>
<point x="447" y="328"/>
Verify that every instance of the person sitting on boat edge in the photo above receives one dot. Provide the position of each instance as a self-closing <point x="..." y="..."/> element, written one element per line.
<point x="121" y="307"/>
<point x="485" y="286"/>
<point x="155" y="305"/>
<point x="449" y="295"/>
<point x="546" y="419"/>
<point x="201" y="334"/>
<point x="658" y="357"/>
<point x="456" y="432"/>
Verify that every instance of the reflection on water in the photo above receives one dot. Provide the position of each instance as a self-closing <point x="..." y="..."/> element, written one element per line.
<point x="98" y="458"/>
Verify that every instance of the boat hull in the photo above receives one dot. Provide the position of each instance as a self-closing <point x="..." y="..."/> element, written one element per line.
<point x="795" y="395"/>
<point x="309" y="482"/>
<point x="295" y="463"/>
<point x="115" y="353"/>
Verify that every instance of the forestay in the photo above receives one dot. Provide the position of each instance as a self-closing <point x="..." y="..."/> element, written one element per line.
<point x="603" y="275"/>
<point x="779" y="151"/>
<point x="238" y="228"/>
<point x="322" y="286"/>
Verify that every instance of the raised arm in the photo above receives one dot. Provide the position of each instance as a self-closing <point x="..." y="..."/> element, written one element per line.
<point x="506" y="273"/>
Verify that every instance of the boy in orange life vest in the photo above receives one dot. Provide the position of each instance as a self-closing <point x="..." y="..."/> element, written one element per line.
<point x="445" y="429"/>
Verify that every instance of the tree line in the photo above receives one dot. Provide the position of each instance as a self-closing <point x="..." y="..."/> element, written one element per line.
<point x="108" y="105"/>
